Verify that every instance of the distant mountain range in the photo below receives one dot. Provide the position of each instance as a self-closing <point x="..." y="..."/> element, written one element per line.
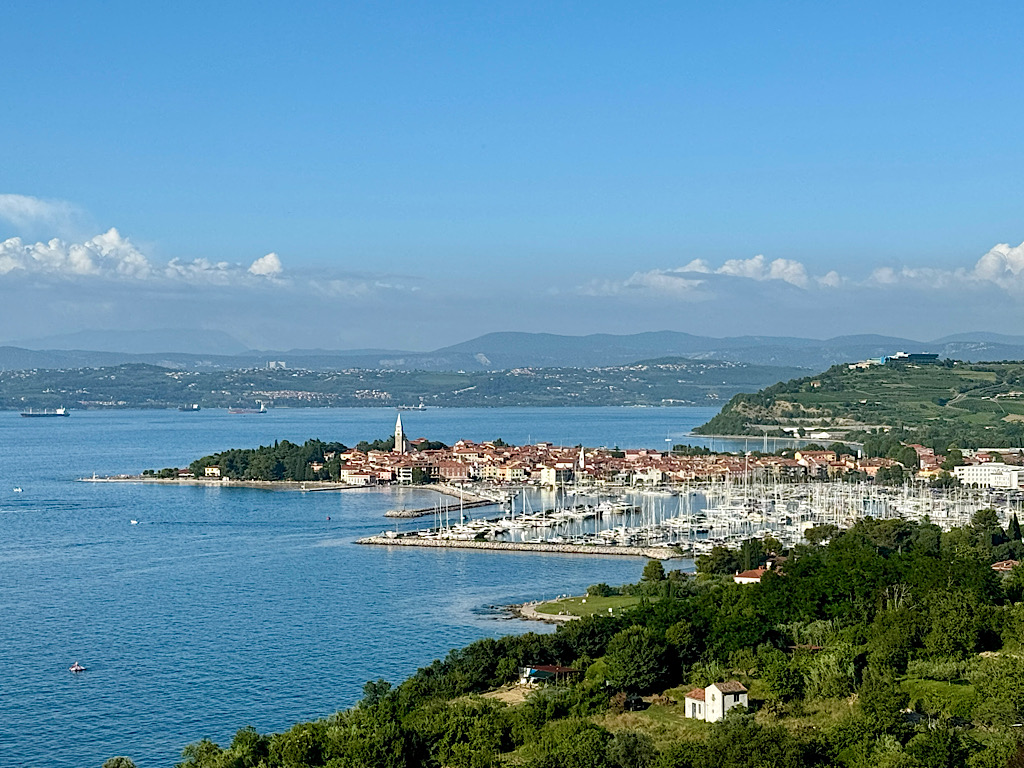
<point x="206" y="350"/>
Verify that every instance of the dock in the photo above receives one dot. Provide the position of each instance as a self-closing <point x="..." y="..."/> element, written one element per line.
<point x="651" y="553"/>
<point x="467" y="499"/>
<point x="424" y="511"/>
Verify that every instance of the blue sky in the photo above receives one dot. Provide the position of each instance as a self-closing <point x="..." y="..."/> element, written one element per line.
<point x="422" y="173"/>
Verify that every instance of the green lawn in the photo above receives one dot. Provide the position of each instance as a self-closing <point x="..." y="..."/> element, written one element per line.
<point x="587" y="606"/>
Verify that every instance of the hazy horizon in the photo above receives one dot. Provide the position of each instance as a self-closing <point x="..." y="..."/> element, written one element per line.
<point x="353" y="176"/>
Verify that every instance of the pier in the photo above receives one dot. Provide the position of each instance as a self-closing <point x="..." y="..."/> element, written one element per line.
<point x="651" y="553"/>
<point x="424" y="511"/>
<point x="467" y="500"/>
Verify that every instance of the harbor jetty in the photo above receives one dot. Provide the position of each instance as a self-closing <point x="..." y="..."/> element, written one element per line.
<point x="424" y="511"/>
<point x="467" y="500"/>
<point x="389" y="539"/>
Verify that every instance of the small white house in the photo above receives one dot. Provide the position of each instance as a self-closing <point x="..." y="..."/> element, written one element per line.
<point x="711" y="703"/>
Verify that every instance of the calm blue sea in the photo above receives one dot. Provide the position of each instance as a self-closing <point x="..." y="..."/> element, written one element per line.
<point x="231" y="607"/>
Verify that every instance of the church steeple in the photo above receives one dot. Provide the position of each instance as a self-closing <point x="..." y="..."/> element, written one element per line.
<point x="401" y="446"/>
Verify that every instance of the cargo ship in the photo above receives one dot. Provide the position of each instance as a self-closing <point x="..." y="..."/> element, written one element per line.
<point x="45" y="413"/>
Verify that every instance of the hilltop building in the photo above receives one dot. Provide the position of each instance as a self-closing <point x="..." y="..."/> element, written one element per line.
<point x="914" y="358"/>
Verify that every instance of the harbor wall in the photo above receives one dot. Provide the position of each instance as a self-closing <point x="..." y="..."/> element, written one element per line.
<point x="651" y="553"/>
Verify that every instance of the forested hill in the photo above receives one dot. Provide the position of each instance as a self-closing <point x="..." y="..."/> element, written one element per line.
<point x="666" y="381"/>
<point x="970" y="404"/>
<point x="894" y="645"/>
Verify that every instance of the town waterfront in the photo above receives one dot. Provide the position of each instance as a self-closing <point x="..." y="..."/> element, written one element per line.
<point x="225" y="607"/>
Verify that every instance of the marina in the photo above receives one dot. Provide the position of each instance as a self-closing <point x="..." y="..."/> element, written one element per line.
<point x="691" y="519"/>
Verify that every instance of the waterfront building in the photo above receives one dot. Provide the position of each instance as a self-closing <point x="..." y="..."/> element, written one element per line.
<point x="993" y="474"/>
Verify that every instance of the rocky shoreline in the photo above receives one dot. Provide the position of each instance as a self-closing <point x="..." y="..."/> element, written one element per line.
<point x="214" y="482"/>
<point x="529" y="612"/>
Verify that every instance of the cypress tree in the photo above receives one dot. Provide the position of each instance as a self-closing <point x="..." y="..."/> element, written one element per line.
<point x="1014" y="528"/>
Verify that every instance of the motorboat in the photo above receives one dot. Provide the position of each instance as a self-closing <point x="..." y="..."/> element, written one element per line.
<point x="76" y="667"/>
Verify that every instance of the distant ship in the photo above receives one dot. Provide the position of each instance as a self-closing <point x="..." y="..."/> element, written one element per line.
<point x="45" y="413"/>
<point x="420" y="407"/>
<point x="261" y="409"/>
<point x="189" y="407"/>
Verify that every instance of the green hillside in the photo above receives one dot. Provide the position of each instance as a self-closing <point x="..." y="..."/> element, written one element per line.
<point x="971" y="404"/>
<point x="666" y="381"/>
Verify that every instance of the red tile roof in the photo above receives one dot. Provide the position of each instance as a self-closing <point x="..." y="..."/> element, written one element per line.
<point x="732" y="686"/>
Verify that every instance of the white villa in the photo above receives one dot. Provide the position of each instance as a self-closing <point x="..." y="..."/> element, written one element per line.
<point x="713" y="702"/>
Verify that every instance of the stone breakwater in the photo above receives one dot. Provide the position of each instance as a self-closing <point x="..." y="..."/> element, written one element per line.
<point x="424" y="511"/>
<point x="468" y="501"/>
<point x="651" y="553"/>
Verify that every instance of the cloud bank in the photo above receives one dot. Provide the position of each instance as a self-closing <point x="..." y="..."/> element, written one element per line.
<point x="697" y="279"/>
<point x="1001" y="267"/>
<point x="112" y="256"/>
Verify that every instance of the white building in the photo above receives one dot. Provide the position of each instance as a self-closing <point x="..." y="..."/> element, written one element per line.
<point x="993" y="474"/>
<point x="711" y="703"/>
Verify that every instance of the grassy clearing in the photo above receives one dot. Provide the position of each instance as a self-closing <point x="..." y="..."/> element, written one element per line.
<point x="513" y="695"/>
<point x="588" y="606"/>
<point x="956" y="698"/>
<point x="664" y="724"/>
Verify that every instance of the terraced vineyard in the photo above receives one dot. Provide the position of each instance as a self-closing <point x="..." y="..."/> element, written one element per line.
<point x="972" y="404"/>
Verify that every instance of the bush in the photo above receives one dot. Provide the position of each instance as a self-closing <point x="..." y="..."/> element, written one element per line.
<point x="601" y="590"/>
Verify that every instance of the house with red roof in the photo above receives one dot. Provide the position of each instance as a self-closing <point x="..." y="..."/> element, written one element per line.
<point x="710" y="704"/>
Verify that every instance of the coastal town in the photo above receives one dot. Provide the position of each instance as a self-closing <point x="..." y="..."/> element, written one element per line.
<point x="544" y="464"/>
<point x="635" y="502"/>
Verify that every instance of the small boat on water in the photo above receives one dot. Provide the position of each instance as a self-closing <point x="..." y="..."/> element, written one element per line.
<point x="76" y="667"/>
<point x="261" y="409"/>
<point x="45" y="413"/>
<point x="189" y="407"/>
<point x="17" y="489"/>
<point x="135" y="522"/>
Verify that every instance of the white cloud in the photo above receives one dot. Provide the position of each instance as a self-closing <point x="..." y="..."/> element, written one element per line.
<point x="697" y="265"/>
<point x="657" y="281"/>
<point x="831" y="279"/>
<point x="28" y="213"/>
<point x="758" y="268"/>
<point x="267" y="266"/>
<point x="107" y="254"/>
<point x="693" y="279"/>
<point x="1002" y="266"/>
<point x="112" y="256"/>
